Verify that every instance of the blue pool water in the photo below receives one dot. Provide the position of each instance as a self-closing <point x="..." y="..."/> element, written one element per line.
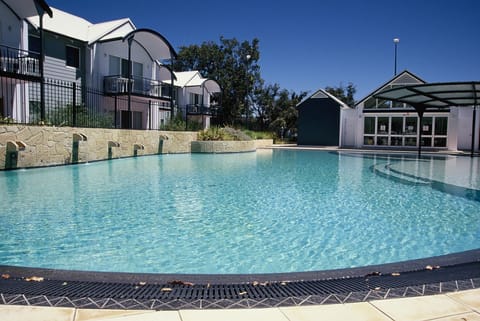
<point x="269" y="211"/>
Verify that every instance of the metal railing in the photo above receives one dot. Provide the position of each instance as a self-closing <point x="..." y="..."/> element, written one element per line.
<point x="19" y="62"/>
<point x="197" y="109"/>
<point x="66" y="104"/>
<point x="139" y="86"/>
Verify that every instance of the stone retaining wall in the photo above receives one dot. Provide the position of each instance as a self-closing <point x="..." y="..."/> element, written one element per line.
<point x="32" y="146"/>
<point x="35" y="146"/>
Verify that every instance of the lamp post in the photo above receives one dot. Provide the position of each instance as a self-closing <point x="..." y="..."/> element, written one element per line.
<point x="395" y="41"/>
<point x="248" y="56"/>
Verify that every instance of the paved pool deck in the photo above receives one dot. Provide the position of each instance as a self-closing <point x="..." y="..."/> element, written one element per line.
<point x="458" y="306"/>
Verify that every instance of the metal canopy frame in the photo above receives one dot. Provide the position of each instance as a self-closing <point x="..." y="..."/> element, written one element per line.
<point x="424" y="97"/>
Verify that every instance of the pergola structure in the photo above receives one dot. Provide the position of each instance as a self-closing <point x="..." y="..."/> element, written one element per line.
<point x="435" y="96"/>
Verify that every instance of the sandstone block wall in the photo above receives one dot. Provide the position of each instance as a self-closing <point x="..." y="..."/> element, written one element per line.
<point x="36" y="146"/>
<point x="32" y="146"/>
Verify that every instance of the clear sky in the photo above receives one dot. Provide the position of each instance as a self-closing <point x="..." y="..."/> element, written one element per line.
<point x="310" y="44"/>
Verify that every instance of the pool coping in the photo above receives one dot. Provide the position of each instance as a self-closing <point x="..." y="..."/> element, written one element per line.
<point x="111" y="290"/>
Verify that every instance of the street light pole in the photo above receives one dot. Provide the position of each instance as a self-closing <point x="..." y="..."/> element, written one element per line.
<point x="395" y="41"/>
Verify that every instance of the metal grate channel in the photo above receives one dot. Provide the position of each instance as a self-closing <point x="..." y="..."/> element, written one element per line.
<point x="170" y="292"/>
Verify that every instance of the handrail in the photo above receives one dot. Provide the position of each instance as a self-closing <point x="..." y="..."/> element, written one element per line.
<point x="18" y="61"/>
<point x="117" y="84"/>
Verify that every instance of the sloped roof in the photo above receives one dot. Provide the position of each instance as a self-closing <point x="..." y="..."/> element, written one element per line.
<point x="184" y="77"/>
<point x="400" y="79"/>
<point x="78" y="28"/>
<point x="195" y="79"/>
<point x="109" y="29"/>
<point x="323" y="94"/>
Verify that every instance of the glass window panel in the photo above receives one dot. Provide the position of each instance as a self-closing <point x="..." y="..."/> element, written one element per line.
<point x="124" y="69"/>
<point x="114" y="66"/>
<point x="383" y="103"/>
<point x="397" y="104"/>
<point x="34" y="43"/>
<point x="382" y="140"/>
<point x="397" y="125"/>
<point x="369" y="123"/>
<point x="440" y="142"/>
<point x="411" y="125"/>
<point x="368" y="140"/>
<point x="370" y="103"/>
<point x="426" y="126"/>
<point x="382" y="125"/>
<point x="396" y="141"/>
<point x="410" y="141"/>
<point x="426" y="141"/>
<point x="72" y="56"/>
<point x="441" y="125"/>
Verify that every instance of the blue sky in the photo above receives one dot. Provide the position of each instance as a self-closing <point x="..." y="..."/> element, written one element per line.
<point x="311" y="44"/>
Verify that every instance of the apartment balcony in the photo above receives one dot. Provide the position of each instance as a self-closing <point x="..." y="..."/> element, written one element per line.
<point x="144" y="87"/>
<point x="197" y="109"/>
<point x="16" y="63"/>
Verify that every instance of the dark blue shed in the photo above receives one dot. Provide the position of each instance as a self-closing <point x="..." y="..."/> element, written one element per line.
<point x="319" y="119"/>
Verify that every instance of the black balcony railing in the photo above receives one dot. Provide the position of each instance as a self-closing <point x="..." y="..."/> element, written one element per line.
<point x="16" y="62"/>
<point x="197" y="109"/>
<point x="139" y="86"/>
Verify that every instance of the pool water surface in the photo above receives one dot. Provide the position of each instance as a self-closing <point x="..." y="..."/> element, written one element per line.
<point x="261" y="212"/>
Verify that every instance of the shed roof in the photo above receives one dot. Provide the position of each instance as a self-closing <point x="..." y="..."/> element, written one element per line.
<point x="323" y="94"/>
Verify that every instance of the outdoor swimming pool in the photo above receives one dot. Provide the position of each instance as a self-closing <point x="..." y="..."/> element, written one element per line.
<point x="261" y="212"/>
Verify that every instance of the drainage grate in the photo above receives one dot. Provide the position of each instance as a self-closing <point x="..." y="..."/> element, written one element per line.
<point x="178" y="290"/>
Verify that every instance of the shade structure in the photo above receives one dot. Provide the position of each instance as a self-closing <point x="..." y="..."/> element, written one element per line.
<point x="434" y="96"/>
<point x="23" y="9"/>
<point x="156" y="45"/>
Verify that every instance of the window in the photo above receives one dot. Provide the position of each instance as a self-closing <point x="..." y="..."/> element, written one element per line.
<point x="440" y="142"/>
<point x="395" y="130"/>
<point x="73" y="57"/>
<point x="194" y="99"/>
<point x="441" y="125"/>
<point x="397" y="125"/>
<point x="411" y="125"/>
<point x="118" y="67"/>
<point x="114" y="66"/>
<point x="34" y="44"/>
<point x="370" y="103"/>
<point x="369" y="125"/>
<point x="426" y="127"/>
<point x="382" y="125"/>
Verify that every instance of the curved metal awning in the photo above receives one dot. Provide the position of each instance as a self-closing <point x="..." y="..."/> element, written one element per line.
<point x="156" y="45"/>
<point x="423" y="97"/>
<point x="170" y="71"/>
<point x="211" y="86"/>
<point x="24" y="9"/>
<point x="435" y="95"/>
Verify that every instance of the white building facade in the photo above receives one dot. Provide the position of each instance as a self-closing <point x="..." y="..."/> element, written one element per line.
<point x="127" y="70"/>
<point x="377" y="123"/>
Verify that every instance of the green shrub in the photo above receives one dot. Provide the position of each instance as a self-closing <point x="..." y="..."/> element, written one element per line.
<point x="225" y="133"/>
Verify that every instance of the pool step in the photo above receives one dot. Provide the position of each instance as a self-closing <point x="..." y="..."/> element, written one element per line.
<point x="386" y="171"/>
